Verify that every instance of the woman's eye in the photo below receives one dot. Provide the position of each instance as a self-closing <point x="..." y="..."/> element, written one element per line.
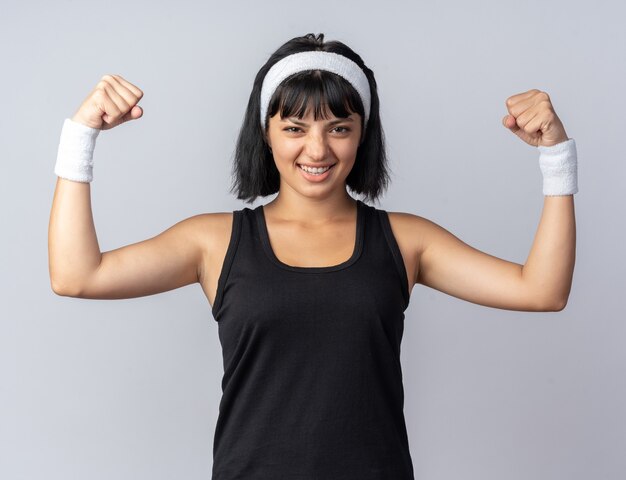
<point x="297" y="129"/>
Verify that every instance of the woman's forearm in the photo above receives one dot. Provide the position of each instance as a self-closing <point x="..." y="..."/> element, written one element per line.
<point x="73" y="250"/>
<point x="550" y="264"/>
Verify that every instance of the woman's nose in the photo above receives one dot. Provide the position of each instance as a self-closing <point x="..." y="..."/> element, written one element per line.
<point x="316" y="146"/>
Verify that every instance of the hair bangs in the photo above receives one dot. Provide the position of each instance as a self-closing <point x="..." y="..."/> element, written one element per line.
<point x="324" y="92"/>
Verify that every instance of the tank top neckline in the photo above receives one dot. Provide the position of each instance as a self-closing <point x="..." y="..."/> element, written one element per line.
<point x="356" y="252"/>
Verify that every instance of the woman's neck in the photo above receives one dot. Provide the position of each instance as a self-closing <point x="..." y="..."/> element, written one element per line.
<point x="311" y="211"/>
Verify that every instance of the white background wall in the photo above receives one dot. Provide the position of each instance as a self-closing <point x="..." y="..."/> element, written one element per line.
<point x="129" y="389"/>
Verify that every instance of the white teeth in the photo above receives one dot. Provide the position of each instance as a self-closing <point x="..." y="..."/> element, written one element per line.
<point x="313" y="170"/>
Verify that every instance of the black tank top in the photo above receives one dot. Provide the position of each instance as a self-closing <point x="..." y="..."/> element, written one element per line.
<point x="312" y="386"/>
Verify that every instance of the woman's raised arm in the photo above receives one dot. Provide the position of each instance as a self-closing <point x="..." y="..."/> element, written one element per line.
<point x="77" y="266"/>
<point x="544" y="282"/>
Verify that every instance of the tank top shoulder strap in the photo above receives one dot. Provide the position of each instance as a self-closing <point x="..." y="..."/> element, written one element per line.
<point x="383" y="221"/>
<point x="235" y="235"/>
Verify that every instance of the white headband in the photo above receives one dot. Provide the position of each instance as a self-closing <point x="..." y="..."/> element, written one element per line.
<point x="315" y="60"/>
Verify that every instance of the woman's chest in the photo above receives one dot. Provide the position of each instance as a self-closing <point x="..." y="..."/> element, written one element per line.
<point x="303" y="249"/>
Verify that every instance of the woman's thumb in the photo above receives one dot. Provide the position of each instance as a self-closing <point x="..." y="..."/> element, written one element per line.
<point x="136" y="112"/>
<point x="133" y="114"/>
<point x="509" y="122"/>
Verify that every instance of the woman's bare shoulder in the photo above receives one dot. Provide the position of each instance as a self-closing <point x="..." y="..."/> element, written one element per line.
<point x="417" y="230"/>
<point x="212" y="223"/>
<point x="213" y="230"/>
<point x="410" y="227"/>
<point x="409" y="230"/>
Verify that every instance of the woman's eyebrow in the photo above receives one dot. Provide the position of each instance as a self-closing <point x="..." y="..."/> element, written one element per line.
<point x="304" y="124"/>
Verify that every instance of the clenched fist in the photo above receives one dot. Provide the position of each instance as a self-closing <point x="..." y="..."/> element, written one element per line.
<point x="113" y="101"/>
<point x="533" y="119"/>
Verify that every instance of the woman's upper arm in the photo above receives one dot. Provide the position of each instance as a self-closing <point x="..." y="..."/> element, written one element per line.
<point x="169" y="260"/>
<point x="451" y="266"/>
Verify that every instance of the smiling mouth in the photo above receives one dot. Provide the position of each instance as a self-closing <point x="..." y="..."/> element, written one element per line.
<point x="301" y="167"/>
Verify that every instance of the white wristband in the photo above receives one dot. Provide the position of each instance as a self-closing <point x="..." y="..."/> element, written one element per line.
<point x="75" y="154"/>
<point x="559" y="166"/>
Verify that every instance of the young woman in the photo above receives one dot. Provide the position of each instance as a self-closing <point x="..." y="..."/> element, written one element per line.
<point x="310" y="289"/>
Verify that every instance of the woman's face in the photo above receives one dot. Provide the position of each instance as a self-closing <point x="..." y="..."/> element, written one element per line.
<point x="314" y="143"/>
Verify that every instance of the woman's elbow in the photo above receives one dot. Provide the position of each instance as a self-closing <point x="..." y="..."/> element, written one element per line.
<point x="63" y="289"/>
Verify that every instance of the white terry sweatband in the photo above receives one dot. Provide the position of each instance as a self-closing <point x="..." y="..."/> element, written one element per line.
<point x="75" y="154"/>
<point x="559" y="166"/>
<point x="315" y="60"/>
